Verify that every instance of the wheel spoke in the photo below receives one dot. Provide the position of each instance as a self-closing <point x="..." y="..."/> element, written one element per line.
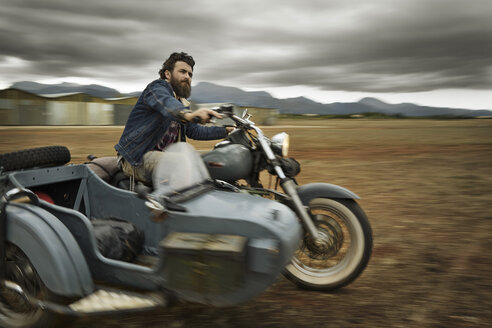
<point x="331" y="227"/>
<point x="339" y="255"/>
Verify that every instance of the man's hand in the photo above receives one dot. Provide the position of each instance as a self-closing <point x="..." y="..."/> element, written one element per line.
<point x="202" y="115"/>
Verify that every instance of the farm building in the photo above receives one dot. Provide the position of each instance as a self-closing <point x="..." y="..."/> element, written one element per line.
<point x="18" y="107"/>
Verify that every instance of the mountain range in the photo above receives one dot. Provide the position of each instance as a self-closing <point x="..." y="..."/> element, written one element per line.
<point x="205" y="92"/>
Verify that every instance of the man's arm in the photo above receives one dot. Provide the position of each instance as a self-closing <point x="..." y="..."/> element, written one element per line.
<point x="202" y="115"/>
<point x="200" y="132"/>
<point x="159" y="96"/>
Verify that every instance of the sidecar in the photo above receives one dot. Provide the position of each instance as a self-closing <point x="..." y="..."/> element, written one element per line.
<point x="200" y="244"/>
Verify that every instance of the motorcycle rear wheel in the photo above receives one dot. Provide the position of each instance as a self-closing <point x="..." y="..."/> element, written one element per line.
<point x="345" y="249"/>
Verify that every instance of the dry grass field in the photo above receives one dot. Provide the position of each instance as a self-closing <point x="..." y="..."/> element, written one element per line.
<point x="426" y="187"/>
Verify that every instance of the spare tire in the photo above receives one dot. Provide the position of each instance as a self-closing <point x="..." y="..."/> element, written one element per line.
<point x="35" y="157"/>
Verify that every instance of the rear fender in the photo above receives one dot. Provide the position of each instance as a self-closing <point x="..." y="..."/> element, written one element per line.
<point x="51" y="248"/>
<point x="323" y="190"/>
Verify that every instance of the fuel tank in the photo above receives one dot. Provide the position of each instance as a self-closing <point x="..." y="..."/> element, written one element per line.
<point x="229" y="162"/>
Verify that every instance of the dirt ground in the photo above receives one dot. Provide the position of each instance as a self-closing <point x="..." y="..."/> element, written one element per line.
<point x="426" y="188"/>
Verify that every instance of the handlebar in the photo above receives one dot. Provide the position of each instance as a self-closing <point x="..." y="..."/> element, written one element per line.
<point x="225" y="110"/>
<point x="245" y="123"/>
<point x="196" y="120"/>
<point x="228" y="111"/>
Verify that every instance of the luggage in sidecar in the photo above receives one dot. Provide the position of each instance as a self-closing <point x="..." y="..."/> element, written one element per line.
<point x="214" y="247"/>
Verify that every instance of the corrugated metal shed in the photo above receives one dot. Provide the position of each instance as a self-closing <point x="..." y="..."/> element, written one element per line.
<point x="18" y="107"/>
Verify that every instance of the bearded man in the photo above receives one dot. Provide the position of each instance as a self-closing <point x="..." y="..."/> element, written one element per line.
<point x="161" y="117"/>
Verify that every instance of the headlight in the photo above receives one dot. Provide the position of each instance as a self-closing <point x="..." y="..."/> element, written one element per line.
<point x="280" y="144"/>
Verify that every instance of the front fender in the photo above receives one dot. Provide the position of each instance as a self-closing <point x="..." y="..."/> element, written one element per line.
<point x="323" y="190"/>
<point x="51" y="248"/>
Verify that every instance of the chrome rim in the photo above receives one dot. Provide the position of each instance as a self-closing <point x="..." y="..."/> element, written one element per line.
<point x="339" y="251"/>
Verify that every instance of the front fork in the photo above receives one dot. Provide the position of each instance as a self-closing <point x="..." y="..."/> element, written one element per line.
<point x="290" y="189"/>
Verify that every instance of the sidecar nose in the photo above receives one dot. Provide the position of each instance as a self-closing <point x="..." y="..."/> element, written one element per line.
<point x="228" y="247"/>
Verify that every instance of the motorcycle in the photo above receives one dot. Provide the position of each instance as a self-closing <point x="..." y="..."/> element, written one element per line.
<point x="337" y="237"/>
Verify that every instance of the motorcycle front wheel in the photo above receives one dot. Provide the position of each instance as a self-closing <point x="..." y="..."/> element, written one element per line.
<point x="342" y="251"/>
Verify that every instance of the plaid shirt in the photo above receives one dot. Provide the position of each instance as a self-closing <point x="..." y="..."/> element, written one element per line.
<point x="170" y="137"/>
<point x="172" y="132"/>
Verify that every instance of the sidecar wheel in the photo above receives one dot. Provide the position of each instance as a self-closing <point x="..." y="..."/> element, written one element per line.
<point x="15" y="311"/>
<point x="35" y="157"/>
<point x="344" y="251"/>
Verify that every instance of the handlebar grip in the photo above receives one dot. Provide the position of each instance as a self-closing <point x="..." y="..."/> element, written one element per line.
<point x="197" y="119"/>
<point x="224" y="109"/>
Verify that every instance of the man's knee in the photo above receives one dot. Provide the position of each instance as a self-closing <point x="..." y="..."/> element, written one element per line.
<point x="137" y="173"/>
<point x="150" y="161"/>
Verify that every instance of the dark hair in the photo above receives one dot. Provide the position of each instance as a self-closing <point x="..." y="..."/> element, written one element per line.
<point x="171" y="61"/>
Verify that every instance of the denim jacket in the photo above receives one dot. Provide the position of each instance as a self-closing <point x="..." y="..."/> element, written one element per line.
<point x="149" y="119"/>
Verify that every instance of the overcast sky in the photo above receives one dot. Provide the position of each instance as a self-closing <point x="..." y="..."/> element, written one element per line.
<point x="430" y="52"/>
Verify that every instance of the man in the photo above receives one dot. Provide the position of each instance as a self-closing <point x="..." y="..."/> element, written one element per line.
<point x="161" y="117"/>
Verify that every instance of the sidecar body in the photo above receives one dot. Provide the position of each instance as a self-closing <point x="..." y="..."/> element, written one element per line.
<point x="205" y="245"/>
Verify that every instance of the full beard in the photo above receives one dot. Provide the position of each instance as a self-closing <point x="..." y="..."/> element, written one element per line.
<point x="182" y="89"/>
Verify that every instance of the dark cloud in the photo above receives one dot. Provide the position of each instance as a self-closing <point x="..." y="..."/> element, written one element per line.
<point x="374" y="46"/>
<point x="417" y="48"/>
